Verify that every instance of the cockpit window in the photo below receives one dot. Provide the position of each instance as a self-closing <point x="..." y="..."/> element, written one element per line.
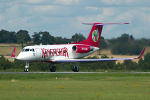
<point x="32" y="50"/>
<point x="23" y="50"/>
<point x="26" y="50"/>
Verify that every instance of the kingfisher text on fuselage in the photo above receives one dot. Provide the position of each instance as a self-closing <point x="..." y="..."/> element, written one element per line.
<point x="54" y="52"/>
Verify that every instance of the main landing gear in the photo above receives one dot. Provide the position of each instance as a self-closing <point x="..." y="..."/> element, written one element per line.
<point x="26" y="67"/>
<point x="76" y="68"/>
<point x="52" y="68"/>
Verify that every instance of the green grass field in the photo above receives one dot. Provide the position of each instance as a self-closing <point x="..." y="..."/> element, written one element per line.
<point x="98" y="86"/>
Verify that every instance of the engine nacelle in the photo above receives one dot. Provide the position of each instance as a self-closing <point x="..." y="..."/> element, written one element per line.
<point x="82" y="48"/>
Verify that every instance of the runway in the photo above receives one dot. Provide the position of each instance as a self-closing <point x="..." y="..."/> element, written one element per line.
<point x="63" y="72"/>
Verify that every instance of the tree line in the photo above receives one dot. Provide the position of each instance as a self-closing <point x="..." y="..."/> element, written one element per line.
<point x="142" y="65"/>
<point x="22" y="36"/>
<point x="127" y="45"/>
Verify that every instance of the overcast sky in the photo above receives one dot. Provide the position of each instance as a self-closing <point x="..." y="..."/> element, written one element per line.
<point x="64" y="17"/>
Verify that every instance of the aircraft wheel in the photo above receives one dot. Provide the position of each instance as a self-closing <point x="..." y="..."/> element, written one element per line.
<point x="76" y="69"/>
<point x="53" y="69"/>
<point x="26" y="70"/>
<point x="26" y="67"/>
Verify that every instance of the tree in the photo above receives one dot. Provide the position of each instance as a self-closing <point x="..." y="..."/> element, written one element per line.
<point x="12" y="37"/>
<point x="4" y="63"/>
<point x="46" y="38"/>
<point x="78" y="37"/>
<point x="130" y="65"/>
<point x="58" y="40"/>
<point x="18" y="64"/>
<point x="7" y="37"/>
<point x="126" y="45"/>
<point x="103" y="44"/>
<point x="36" y="38"/>
<point x="145" y="64"/>
<point x="124" y="38"/>
<point x="131" y="37"/>
<point x="23" y="37"/>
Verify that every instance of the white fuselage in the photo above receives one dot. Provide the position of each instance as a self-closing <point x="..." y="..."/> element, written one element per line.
<point x="46" y="53"/>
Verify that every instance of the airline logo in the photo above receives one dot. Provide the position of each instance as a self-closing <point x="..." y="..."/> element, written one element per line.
<point x="54" y="52"/>
<point x="95" y="35"/>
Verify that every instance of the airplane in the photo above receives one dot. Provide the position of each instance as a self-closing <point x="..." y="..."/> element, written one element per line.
<point x="73" y="52"/>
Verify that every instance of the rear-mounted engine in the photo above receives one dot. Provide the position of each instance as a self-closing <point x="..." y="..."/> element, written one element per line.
<point x="82" y="48"/>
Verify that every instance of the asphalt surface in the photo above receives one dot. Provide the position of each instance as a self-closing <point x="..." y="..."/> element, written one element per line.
<point x="63" y="72"/>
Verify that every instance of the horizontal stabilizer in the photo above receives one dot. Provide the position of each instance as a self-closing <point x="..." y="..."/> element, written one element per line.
<point x="13" y="57"/>
<point x="101" y="24"/>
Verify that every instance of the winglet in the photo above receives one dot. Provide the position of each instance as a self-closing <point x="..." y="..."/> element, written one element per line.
<point x="140" y="56"/>
<point x="13" y="52"/>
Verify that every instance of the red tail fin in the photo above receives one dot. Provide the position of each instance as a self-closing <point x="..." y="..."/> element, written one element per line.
<point x="95" y="34"/>
<point x="13" y="52"/>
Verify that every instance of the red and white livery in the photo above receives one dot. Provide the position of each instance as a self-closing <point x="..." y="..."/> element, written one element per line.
<point x="67" y="52"/>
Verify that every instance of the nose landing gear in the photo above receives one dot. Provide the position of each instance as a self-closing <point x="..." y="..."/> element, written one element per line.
<point x="26" y="67"/>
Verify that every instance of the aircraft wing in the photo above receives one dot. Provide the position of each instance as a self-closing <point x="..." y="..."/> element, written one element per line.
<point x="96" y="60"/>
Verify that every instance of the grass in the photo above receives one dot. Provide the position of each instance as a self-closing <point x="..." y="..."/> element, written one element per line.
<point x="100" y="86"/>
<point x="7" y="51"/>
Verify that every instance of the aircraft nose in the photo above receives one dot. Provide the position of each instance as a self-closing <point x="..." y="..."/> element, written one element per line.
<point x="23" y="56"/>
<point x="20" y="57"/>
